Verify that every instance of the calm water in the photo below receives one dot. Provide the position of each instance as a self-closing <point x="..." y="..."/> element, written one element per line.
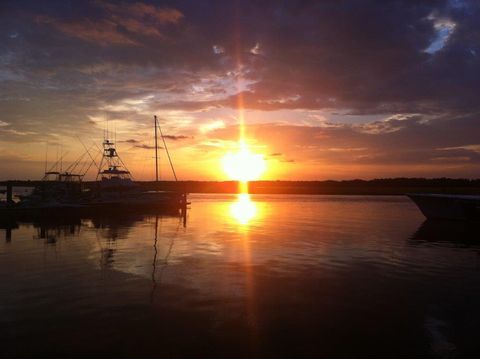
<point x="276" y="276"/>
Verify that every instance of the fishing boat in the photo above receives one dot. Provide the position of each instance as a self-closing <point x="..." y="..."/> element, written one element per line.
<point x="115" y="185"/>
<point x="113" y="190"/>
<point x="448" y="206"/>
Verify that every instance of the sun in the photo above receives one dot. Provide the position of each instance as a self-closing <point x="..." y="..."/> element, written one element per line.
<point x="243" y="165"/>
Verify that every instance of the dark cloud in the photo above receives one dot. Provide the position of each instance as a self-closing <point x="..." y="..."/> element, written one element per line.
<point x="352" y="51"/>
<point x="366" y="56"/>
<point x="147" y="147"/>
<point x="130" y="140"/>
<point x="176" y="137"/>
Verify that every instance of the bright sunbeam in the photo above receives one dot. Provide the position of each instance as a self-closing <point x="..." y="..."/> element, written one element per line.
<point x="243" y="210"/>
<point x="243" y="165"/>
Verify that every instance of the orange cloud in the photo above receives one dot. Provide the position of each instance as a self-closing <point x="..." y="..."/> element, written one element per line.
<point x="103" y="32"/>
<point x="122" y="24"/>
<point x="141" y="10"/>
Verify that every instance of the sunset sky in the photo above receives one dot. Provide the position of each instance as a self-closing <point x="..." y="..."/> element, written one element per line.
<point x="325" y="89"/>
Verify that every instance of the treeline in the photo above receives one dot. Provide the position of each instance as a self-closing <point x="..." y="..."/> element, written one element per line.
<point x="381" y="186"/>
<point x="390" y="186"/>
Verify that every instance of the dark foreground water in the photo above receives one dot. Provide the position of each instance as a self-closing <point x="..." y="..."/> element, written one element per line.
<point x="274" y="276"/>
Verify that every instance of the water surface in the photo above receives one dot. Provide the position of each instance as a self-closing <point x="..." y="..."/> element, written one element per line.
<point x="269" y="276"/>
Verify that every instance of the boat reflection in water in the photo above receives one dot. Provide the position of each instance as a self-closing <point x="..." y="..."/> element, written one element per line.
<point x="104" y="239"/>
<point x="448" y="232"/>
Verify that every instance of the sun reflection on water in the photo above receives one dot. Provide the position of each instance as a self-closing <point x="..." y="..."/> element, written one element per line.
<point x="243" y="209"/>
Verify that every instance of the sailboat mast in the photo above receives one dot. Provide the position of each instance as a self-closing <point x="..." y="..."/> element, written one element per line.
<point x="156" y="149"/>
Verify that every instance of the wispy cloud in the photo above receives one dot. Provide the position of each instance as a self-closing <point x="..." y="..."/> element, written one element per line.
<point x="176" y="137"/>
<point x="147" y="147"/>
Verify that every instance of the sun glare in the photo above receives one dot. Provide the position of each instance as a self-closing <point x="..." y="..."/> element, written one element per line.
<point x="243" y="165"/>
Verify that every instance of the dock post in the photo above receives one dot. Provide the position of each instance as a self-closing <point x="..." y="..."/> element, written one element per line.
<point x="8" y="234"/>
<point x="184" y="209"/>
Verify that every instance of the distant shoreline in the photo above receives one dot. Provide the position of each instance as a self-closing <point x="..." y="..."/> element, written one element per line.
<point x="355" y="187"/>
<point x="387" y="186"/>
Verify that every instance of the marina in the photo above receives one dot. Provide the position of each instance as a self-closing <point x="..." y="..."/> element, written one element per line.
<point x="113" y="190"/>
<point x="240" y="179"/>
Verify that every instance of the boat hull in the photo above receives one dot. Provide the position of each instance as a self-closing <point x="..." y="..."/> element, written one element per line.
<point x="171" y="203"/>
<point x="453" y="207"/>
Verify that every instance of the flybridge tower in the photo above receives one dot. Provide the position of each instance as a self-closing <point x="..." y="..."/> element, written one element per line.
<point x="112" y="169"/>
